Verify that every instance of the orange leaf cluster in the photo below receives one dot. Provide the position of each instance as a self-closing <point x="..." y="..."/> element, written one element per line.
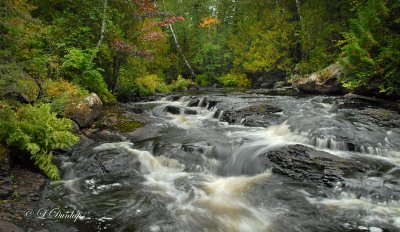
<point x="209" y="21"/>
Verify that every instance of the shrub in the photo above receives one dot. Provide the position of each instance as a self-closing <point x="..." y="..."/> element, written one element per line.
<point x="150" y="84"/>
<point x="37" y="131"/>
<point x="234" y="80"/>
<point x="77" y="65"/>
<point x="202" y="80"/>
<point x="180" y="84"/>
<point x="63" y="96"/>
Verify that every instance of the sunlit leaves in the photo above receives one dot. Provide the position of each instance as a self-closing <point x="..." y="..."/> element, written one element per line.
<point x="209" y="22"/>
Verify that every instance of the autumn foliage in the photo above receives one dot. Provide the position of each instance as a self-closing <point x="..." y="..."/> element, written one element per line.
<point x="209" y="22"/>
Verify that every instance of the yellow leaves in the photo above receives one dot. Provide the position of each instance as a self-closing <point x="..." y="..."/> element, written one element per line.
<point x="209" y="21"/>
<point x="58" y="88"/>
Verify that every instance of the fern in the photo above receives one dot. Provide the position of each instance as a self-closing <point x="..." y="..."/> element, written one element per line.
<point x="37" y="131"/>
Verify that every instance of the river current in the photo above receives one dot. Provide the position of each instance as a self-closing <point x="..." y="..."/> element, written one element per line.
<point x="199" y="173"/>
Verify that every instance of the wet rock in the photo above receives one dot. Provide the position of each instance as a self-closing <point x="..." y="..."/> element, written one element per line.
<point x="256" y="114"/>
<point x="107" y="136"/>
<point x="193" y="102"/>
<point x="209" y="103"/>
<point x="6" y="188"/>
<point x="173" y="97"/>
<point x="284" y="91"/>
<point x="172" y="110"/>
<point x="9" y="227"/>
<point x="309" y="165"/>
<point x="190" y="112"/>
<point x="325" y="81"/>
<point x="87" y="110"/>
<point x="4" y="161"/>
<point x="137" y="110"/>
<point x="98" y="162"/>
<point x="34" y="196"/>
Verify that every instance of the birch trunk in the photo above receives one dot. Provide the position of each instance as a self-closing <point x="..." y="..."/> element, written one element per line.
<point x="102" y="31"/>
<point x="179" y="47"/>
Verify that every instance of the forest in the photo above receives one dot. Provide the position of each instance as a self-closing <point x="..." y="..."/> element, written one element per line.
<point x="55" y="53"/>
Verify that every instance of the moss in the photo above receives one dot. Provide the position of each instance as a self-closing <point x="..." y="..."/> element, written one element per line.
<point x="126" y="125"/>
<point x="114" y="118"/>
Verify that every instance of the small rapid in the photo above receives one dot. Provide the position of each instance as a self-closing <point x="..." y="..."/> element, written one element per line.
<point x="202" y="173"/>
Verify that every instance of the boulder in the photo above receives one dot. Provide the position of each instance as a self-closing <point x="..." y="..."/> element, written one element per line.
<point x="172" y="110"/>
<point x="24" y="90"/>
<point x="173" y="97"/>
<point x="86" y="110"/>
<point x="325" y="81"/>
<point x="268" y="79"/>
<point x="193" y="102"/>
<point x="190" y="111"/>
<point x="100" y="161"/>
<point x="306" y="164"/>
<point x="253" y="115"/>
<point x="209" y="103"/>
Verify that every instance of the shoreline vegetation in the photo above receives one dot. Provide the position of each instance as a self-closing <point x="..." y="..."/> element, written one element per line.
<point x="61" y="61"/>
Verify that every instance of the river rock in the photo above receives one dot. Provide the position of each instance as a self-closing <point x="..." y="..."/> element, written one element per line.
<point x="172" y="110"/>
<point x="306" y="164"/>
<point x="268" y="79"/>
<point x="254" y="115"/>
<point x="190" y="111"/>
<point x="9" y="227"/>
<point x="193" y="102"/>
<point x="210" y="103"/>
<point x="325" y="81"/>
<point x="173" y="97"/>
<point x="106" y="136"/>
<point x="87" y="110"/>
<point x="91" y="161"/>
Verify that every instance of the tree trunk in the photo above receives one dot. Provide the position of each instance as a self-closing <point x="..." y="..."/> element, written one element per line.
<point x="179" y="47"/>
<point x="102" y="31"/>
<point x="298" y="49"/>
<point x="114" y="79"/>
<point x="180" y="51"/>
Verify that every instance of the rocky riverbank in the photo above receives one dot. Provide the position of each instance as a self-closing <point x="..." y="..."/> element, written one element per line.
<point x="298" y="128"/>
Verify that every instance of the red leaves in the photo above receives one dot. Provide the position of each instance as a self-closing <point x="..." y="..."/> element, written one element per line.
<point x="170" y="20"/>
<point x="147" y="9"/>
<point x="121" y="46"/>
<point x="153" y="36"/>
<point x="143" y="53"/>
<point x="124" y="48"/>
<point x="146" y="6"/>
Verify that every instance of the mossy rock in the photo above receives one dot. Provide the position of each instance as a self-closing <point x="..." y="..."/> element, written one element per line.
<point x="114" y="118"/>
<point x="23" y="90"/>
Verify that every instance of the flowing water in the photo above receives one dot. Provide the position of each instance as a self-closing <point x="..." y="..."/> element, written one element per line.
<point x="199" y="173"/>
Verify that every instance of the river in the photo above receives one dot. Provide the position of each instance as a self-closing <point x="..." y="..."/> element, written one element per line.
<point x="197" y="172"/>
